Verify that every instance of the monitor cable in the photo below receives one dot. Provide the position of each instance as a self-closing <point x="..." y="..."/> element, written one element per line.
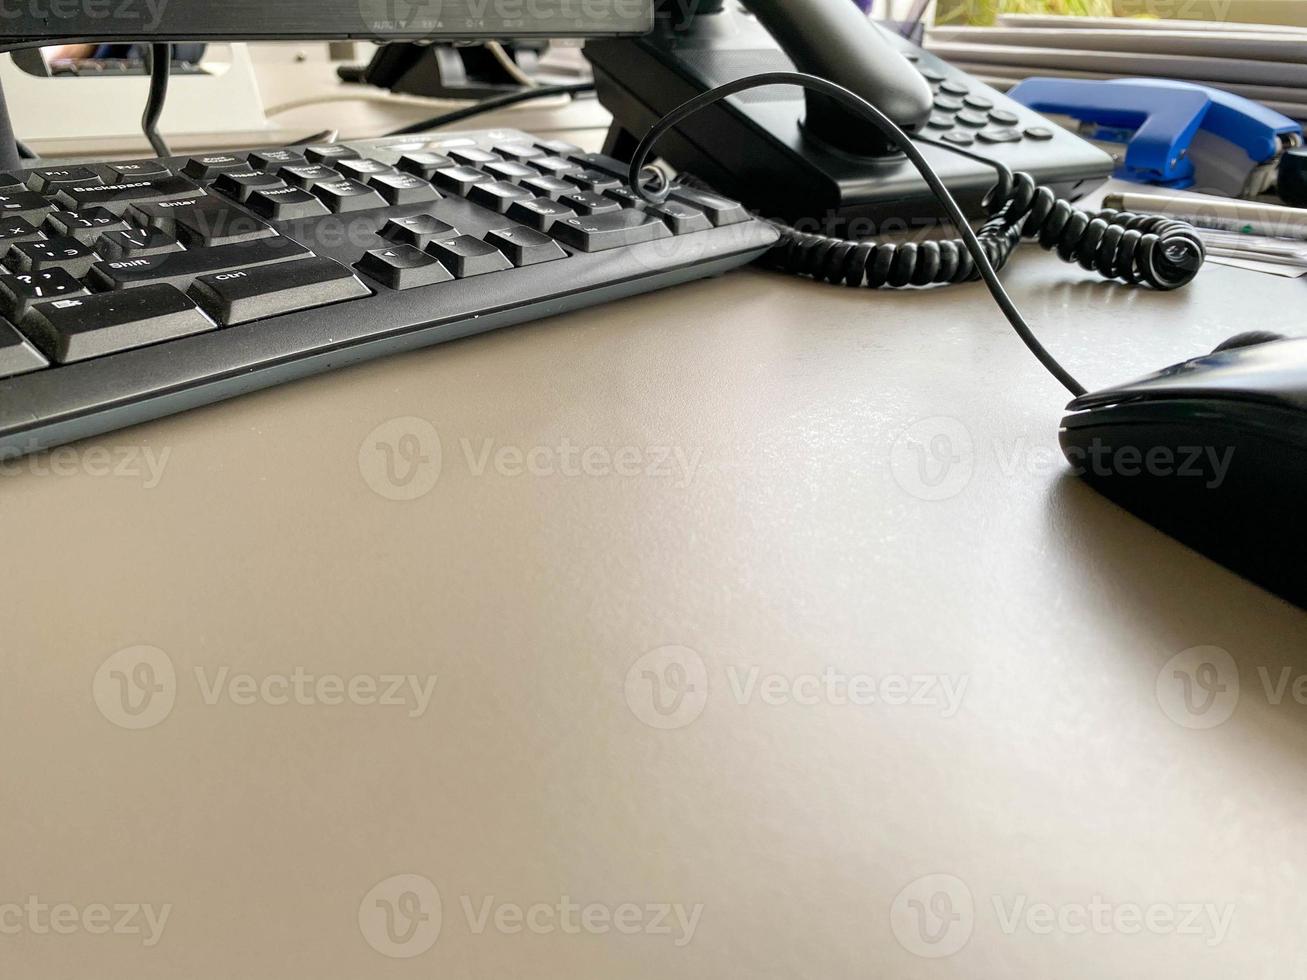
<point x="158" y="58"/>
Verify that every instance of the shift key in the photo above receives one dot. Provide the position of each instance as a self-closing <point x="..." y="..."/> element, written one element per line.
<point x="182" y="268"/>
<point x="252" y="294"/>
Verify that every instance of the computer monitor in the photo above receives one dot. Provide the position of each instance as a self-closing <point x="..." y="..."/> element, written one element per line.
<point x="29" y="22"/>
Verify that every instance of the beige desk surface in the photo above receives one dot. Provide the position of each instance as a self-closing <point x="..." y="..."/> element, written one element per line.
<point x="1009" y="773"/>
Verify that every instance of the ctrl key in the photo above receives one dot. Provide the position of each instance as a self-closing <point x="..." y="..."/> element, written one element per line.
<point x="82" y="327"/>
<point x="271" y="290"/>
<point x="17" y="356"/>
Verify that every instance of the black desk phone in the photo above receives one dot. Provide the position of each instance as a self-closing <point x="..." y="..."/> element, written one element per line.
<point x="800" y="159"/>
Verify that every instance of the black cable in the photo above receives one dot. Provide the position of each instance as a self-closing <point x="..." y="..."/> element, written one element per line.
<point x="1138" y="248"/>
<point x="158" y="59"/>
<point x="489" y="105"/>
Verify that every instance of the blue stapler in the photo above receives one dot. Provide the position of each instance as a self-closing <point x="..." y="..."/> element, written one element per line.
<point x="1175" y="134"/>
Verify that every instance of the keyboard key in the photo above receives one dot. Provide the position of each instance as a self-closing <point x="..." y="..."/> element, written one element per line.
<point x="18" y="292"/>
<point x="306" y="175"/>
<point x="560" y="148"/>
<point x="720" y="210"/>
<point x="136" y="242"/>
<point x="60" y="252"/>
<point x="86" y="226"/>
<point x="473" y="157"/>
<point x="518" y="151"/>
<point x="680" y="217"/>
<point x="207" y="168"/>
<point x="550" y="187"/>
<point x="599" y="232"/>
<point x="326" y="152"/>
<point x="403" y="267"/>
<point x="403" y="188"/>
<point x="424" y="164"/>
<point x="360" y="169"/>
<point x="129" y="172"/>
<point x="272" y="159"/>
<point x="594" y="180"/>
<point x="254" y="294"/>
<point x="12" y="181"/>
<point x="498" y="195"/>
<point x="13" y="230"/>
<point x="525" y="246"/>
<point x="467" y="256"/>
<point x="627" y="198"/>
<point x="286" y="204"/>
<point x="180" y="268"/>
<point x="24" y="204"/>
<point x="586" y="202"/>
<point x="344" y="195"/>
<point x="239" y="187"/>
<point x="459" y="180"/>
<point x="201" y="220"/>
<point x="509" y="170"/>
<point x="17" y="355"/>
<point x="539" y="213"/>
<point x="556" y="166"/>
<point x="76" y="329"/>
<point x="418" y="230"/>
<point x="47" y="180"/>
<point x="119" y="197"/>
<point x="999" y="135"/>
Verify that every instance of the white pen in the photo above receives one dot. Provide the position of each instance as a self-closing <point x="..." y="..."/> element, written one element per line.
<point x="1245" y="217"/>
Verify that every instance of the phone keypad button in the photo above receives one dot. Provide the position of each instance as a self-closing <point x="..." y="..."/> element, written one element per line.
<point x="954" y="87"/>
<point x="1003" y="117"/>
<point x="973" y="119"/>
<point x="959" y="137"/>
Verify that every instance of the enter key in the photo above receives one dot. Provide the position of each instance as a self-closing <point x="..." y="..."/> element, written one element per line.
<point x="242" y="295"/>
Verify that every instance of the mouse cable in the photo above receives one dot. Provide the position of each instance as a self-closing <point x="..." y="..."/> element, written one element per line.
<point x="159" y="60"/>
<point x="1166" y="254"/>
<point x="489" y="105"/>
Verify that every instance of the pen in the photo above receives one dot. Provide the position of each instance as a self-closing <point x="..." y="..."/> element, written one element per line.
<point x="1245" y="217"/>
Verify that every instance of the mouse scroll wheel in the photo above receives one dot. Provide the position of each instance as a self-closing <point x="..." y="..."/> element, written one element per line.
<point x="1250" y="339"/>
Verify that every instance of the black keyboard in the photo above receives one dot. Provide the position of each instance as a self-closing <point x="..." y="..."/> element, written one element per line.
<point x="131" y="290"/>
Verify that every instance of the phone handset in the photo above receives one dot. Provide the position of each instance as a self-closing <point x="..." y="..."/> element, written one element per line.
<point x="835" y="40"/>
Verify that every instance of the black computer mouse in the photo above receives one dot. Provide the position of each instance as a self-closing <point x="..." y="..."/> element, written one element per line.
<point x="1213" y="452"/>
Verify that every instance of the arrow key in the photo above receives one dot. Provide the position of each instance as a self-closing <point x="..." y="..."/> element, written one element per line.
<point x="403" y="267"/>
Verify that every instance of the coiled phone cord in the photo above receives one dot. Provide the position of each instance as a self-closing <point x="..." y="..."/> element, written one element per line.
<point x="1162" y="252"/>
<point x="1134" y="248"/>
